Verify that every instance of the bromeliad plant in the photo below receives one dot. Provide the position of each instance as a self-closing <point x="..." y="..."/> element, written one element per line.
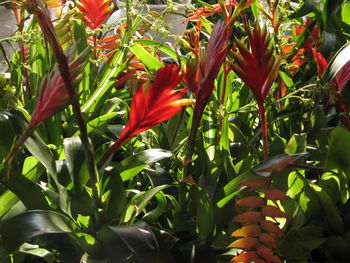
<point x="117" y="148"/>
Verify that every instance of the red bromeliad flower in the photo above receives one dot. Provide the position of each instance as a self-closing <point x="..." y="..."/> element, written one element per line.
<point x="258" y="68"/>
<point x="53" y="95"/>
<point x="152" y="104"/>
<point x="96" y="11"/>
<point x="201" y="74"/>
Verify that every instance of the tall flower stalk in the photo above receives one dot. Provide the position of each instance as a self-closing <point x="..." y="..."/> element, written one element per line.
<point x="39" y="10"/>
<point x="258" y="68"/>
<point x="204" y="72"/>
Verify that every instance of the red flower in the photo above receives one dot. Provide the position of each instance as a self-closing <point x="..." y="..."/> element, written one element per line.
<point x="96" y="11"/>
<point x="152" y="104"/>
<point x="257" y="67"/>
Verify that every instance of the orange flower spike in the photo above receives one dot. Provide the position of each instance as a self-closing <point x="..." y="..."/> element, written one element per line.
<point x="273" y="211"/>
<point x="275" y="195"/>
<point x="267" y="254"/>
<point x="244" y="257"/>
<point x="152" y="104"/>
<point x="248" y="217"/>
<point x="272" y="228"/>
<point x="96" y="11"/>
<point x="247" y="231"/>
<point x="251" y="202"/>
<point x="245" y="243"/>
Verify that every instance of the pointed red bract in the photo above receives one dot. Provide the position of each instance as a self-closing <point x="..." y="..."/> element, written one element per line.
<point x="96" y="11"/>
<point x="321" y="62"/>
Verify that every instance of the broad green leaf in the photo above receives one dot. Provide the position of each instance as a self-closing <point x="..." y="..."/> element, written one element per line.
<point x="147" y="58"/>
<point x="338" y="246"/>
<point x="35" y="250"/>
<point x="154" y="214"/>
<point x="7" y="138"/>
<point x="338" y="155"/>
<point x="32" y="224"/>
<point x="307" y="7"/>
<point x="296" y="144"/>
<point x="300" y="242"/>
<point x="132" y="165"/>
<point x="331" y="216"/>
<point x="27" y="191"/>
<point x="116" y="201"/>
<point x="339" y="60"/>
<point x="140" y="200"/>
<point x="161" y="47"/>
<point x="80" y="36"/>
<point x="286" y="79"/>
<point x="75" y="158"/>
<point x="346" y="13"/>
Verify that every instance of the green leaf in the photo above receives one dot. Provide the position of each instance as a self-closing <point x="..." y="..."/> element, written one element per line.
<point x="346" y="13"/>
<point x="80" y="36"/>
<point x="161" y="47"/>
<point x="147" y="58"/>
<point x="31" y="224"/>
<point x="154" y="214"/>
<point x="331" y="216"/>
<point x="336" y="64"/>
<point x="286" y="79"/>
<point x="140" y="200"/>
<point x="301" y="241"/>
<point x="132" y="165"/>
<point x="75" y="158"/>
<point x="7" y="138"/>
<point x="35" y="250"/>
<point x="27" y="191"/>
<point x="296" y="144"/>
<point x="308" y="7"/>
<point x="338" y="155"/>
<point x="116" y="200"/>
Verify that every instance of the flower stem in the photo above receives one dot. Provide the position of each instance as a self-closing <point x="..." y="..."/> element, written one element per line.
<point x="264" y="129"/>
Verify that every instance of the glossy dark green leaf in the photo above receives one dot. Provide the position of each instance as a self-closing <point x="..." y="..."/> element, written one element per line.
<point x="7" y="138"/>
<point x="75" y="158"/>
<point x="27" y="191"/>
<point x="296" y="144"/>
<point x="338" y="61"/>
<point x="35" y="250"/>
<point x="24" y="227"/>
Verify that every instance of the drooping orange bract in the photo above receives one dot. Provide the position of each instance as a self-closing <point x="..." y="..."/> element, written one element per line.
<point x="96" y="11"/>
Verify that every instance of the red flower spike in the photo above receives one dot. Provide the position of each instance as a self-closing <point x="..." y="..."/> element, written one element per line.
<point x="53" y="95"/>
<point x="247" y="231"/>
<point x="258" y="68"/>
<point x="251" y="202"/>
<point x="96" y="11"/>
<point x="244" y="257"/>
<point x="245" y="243"/>
<point x="209" y="63"/>
<point x="152" y="104"/>
<point x="259" y="260"/>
